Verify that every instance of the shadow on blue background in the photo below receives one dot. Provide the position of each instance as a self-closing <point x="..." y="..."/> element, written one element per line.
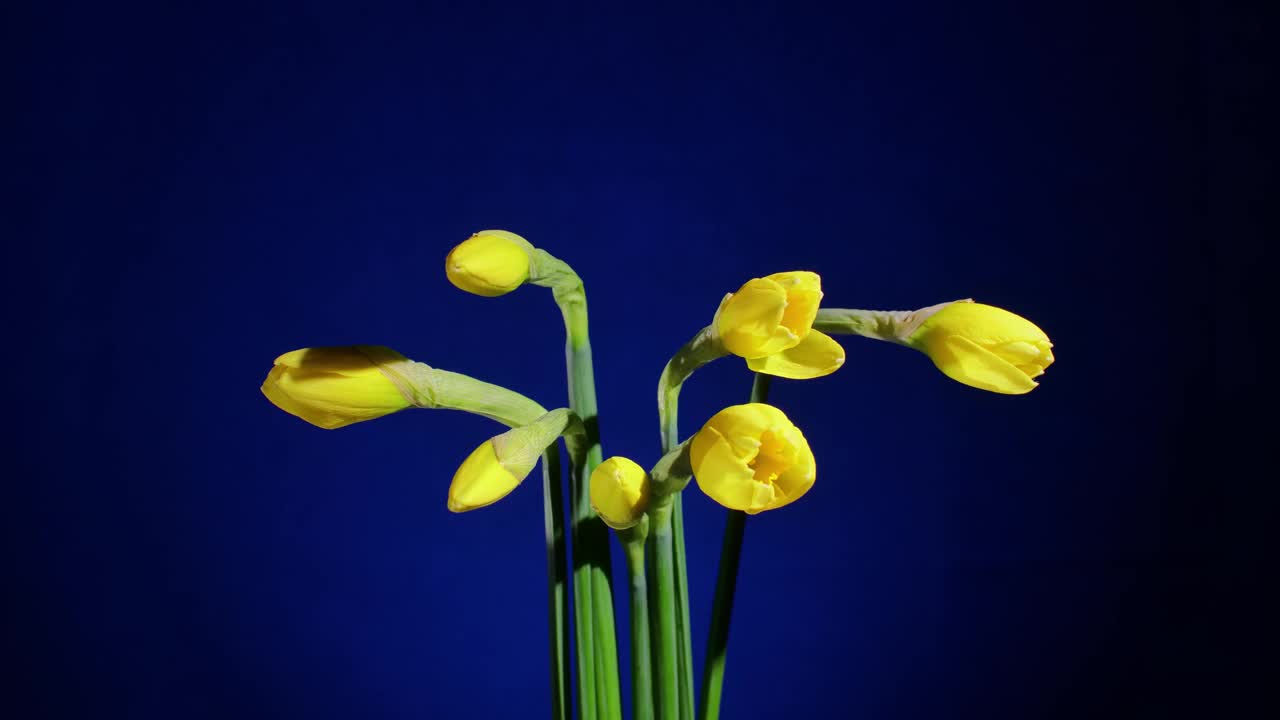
<point x="192" y="191"/>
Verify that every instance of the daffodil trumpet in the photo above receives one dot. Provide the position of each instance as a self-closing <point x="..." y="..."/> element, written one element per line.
<point x="979" y="345"/>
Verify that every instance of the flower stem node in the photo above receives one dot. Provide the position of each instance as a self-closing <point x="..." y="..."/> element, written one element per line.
<point x="332" y="387"/>
<point x="752" y="458"/>
<point x="984" y="347"/>
<point x="489" y="263"/>
<point x="769" y="323"/>
<point x="503" y="461"/>
<point x="620" y="492"/>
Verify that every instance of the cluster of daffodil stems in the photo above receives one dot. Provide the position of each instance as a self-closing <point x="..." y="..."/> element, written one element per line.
<point x="749" y="457"/>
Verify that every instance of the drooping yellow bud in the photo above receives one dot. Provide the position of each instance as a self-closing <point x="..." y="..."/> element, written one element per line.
<point x="331" y="387"/>
<point x="489" y="263"/>
<point x="495" y="468"/>
<point x="619" y="492"/>
<point x="752" y="458"/>
<point x="984" y="347"/>
<point x="769" y="322"/>
<point x="482" y="479"/>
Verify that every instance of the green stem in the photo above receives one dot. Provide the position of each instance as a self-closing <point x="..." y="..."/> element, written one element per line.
<point x="726" y="582"/>
<point x="702" y="349"/>
<point x="582" y="606"/>
<point x="641" y="657"/>
<point x="557" y="577"/>
<point x="667" y="648"/>
<point x="684" y="635"/>
<point x="591" y="540"/>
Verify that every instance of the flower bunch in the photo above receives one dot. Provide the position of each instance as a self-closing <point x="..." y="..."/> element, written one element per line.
<point x="749" y="458"/>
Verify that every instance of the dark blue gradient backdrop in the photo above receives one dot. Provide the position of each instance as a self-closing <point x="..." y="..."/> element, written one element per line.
<point x="193" y="190"/>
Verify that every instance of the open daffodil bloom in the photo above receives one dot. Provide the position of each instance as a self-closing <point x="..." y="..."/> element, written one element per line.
<point x="752" y="458"/>
<point x="769" y="322"/>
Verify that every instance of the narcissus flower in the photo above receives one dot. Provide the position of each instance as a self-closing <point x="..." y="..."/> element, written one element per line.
<point x="502" y="462"/>
<point x="619" y="492"/>
<point x="751" y="457"/>
<point x="769" y="322"/>
<point x="331" y="387"/>
<point x="984" y="347"/>
<point x="489" y="263"/>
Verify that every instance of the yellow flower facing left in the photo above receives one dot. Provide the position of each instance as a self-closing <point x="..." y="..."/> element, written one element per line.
<point x="753" y="458"/>
<point x="331" y="387"/>
<point x="984" y="347"/>
<point x="503" y="461"/>
<point x="769" y="323"/>
<point x="489" y="263"/>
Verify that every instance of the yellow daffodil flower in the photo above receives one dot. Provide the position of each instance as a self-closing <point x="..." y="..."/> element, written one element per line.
<point x="619" y="492"/>
<point x="752" y="458"/>
<point x="331" y="387"/>
<point x="489" y="263"/>
<point x="769" y="322"/>
<point x="502" y="462"/>
<point x="984" y="347"/>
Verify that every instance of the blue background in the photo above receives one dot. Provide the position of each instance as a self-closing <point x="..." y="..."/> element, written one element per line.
<point x="192" y="190"/>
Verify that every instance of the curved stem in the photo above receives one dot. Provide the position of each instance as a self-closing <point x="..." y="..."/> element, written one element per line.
<point x="726" y="582"/>
<point x="702" y="349"/>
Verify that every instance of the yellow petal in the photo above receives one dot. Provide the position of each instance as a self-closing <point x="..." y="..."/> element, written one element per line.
<point x="742" y="426"/>
<point x="722" y="474"/>
<point x="983" y="324"/>
<point x="816" y="355"/>
<point x="799" y="477"/>
<point x="750" y="321"/>
<point x="481" y="480"/>
<point x="804" y="293"/>
<point x="963" y="360"/>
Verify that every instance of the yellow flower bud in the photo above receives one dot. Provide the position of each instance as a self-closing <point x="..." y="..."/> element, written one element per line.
<point x="769" y="322"/>
<point x="495" y="468"/>
<point x="984" y="347"/>
<point x="483" y="479"/>
<point x="489" y="263"/>
<point x="619" y="492"/>
<point x="751" y="457"/>
<point x="331" y="387"/>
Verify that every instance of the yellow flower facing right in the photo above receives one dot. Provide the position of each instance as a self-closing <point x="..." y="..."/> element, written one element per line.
<point x="752" y="458"/>
<point x="984" y="347"/>
<point x="769" y="323"/>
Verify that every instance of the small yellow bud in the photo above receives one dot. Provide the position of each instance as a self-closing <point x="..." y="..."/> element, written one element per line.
<point x="769" y="322"/>
<point x="482" y="480"/>
<point x="984" y="347"/>
<point x="489" y="263"/>
<point x="495" y="468"/>
<point x="752" y="458"/>
<point x="619" y="492"/>
<point x="331" y="387"/>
